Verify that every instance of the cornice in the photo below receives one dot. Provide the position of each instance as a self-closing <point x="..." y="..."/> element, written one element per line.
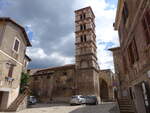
<point x="118" y="14"/>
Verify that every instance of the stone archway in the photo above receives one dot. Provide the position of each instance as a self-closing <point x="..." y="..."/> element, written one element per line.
<point x="104" y="91"/>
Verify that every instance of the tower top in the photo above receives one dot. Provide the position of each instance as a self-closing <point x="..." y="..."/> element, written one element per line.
<point x="85" y="9"/>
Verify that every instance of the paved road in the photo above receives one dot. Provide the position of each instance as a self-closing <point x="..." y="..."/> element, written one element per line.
<point x="63" y="108"/>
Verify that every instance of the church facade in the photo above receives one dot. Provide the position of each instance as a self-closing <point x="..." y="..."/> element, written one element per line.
<point x="82" y="78"/>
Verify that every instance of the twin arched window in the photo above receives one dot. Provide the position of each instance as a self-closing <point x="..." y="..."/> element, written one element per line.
<point x="83" y="38"/>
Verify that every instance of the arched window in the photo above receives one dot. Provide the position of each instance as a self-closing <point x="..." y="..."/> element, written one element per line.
<point x="81" y="27"/>
<point x="84" y="16"/>
<point x="81" y="17"/>
<point x="84" y="26"/>
<point x="84" y="38"/>
<point x="81" y="38"/>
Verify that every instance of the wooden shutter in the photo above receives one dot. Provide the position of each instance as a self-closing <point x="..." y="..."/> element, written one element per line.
<point x="136" y="55"/>
<point x="146" y="25"/>
<point x="16" y="46"/>
<point x="131" y="56"/>
<point x="10" y="70"/>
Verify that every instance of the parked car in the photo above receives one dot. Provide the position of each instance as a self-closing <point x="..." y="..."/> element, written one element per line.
<point x="32" y="100"/>
<point x="91" y="100"/>
<point x="77" y="100"/>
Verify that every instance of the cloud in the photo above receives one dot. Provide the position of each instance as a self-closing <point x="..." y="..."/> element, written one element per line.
<point x="50" y="27"/>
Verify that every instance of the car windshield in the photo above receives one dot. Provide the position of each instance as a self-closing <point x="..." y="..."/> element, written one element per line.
<point x="78" y="96"/>
<point x="90" y="96"/>
<point x="74" y="96"/>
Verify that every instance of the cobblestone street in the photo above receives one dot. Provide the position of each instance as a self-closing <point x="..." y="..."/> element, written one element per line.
<point x="64" y="108"/>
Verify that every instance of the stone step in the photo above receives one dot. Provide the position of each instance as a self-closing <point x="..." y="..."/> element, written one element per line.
<point x="127" y="111"/>
<point x="125" y="106"/>
<point x="13" y="107"/>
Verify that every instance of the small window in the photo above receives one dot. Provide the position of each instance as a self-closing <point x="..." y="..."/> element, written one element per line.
<point x="81" y="27"/>
<point x="81" y="38"/>
<point x="64" y="73"/>
<point x="131" y="55"/>
<point x="133" y="52"/>
<point x="84" y="26"/>
<point x="11" y="68"/>
<point x="81" y="17"/>
<point x="16" y="45"/>
<point x="48" y="77"/>
<point x="35" y="78"/>
<point x="84" y="16"/>
<point x="84" y="38"/>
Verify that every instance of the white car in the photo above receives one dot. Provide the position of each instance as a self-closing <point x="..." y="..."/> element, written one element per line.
<point x="32" y="100"/>
<point x="77" y="100"/>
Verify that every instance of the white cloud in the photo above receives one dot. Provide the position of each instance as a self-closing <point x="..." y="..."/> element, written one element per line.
<point x="105" y="16"/>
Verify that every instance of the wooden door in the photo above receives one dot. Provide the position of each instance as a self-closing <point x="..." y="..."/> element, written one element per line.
<point x="1" y="97"/>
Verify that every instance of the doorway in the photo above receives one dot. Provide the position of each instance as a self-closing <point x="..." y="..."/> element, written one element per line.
<point x="104" y="91"/>
<point x="1" y="97"/>
<point x="142" y="97"/>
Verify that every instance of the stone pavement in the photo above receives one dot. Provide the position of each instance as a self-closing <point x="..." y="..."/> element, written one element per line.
<point x="64" y="108"/>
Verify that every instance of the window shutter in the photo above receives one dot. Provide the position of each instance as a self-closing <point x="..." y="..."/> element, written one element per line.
<point x="148" y="17"/>
<point x="136" y="55"/>
<point x="10" y="70"/>
<point x="16" y="46"/>
<point x="146" y="25"/>
<point x="131" y="56"/>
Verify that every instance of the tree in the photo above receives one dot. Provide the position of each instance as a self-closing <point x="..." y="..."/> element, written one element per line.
<point x="24" y="82"/>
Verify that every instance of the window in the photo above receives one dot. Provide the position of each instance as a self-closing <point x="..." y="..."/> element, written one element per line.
<point x="133" y="53"/>
<point x="16" y="45"/>
<point x="81" y="27"/>
<point x="64" y="73"/>
<point x="84" y="38"/>
<point x="84" y="26"/>
<point x="125" y="12"/>
<point x="81" y="17"/>
<point x="84" y="16"/>
<point x="10" y="72"/>
<point x="81" y="38"/>
<point x="48" y="77"/>
<point x="146" y="25"/>
<point x="35" y="78"/>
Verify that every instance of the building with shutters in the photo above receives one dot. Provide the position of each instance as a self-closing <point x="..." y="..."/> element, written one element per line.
<point x="82" y="78"/>
<point x="13" y="44"/>
<point x="131" y="59"/>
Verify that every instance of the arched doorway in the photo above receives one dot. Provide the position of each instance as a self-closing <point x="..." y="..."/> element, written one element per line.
<point x="104" y="90"/>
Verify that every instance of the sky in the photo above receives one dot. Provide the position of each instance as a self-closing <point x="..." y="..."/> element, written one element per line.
<point x="50" y="27"/>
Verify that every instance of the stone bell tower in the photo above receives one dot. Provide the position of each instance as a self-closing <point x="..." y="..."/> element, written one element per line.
<point x="86" y="58"/>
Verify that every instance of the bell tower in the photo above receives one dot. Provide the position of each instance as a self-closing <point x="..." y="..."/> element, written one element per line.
<point x="86" y="55"/>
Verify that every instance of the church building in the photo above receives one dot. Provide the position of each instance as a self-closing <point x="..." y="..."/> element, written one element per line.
<point x="58" y="84"/>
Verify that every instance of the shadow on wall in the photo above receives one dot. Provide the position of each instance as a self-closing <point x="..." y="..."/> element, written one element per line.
<point x="102" y="108"/>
